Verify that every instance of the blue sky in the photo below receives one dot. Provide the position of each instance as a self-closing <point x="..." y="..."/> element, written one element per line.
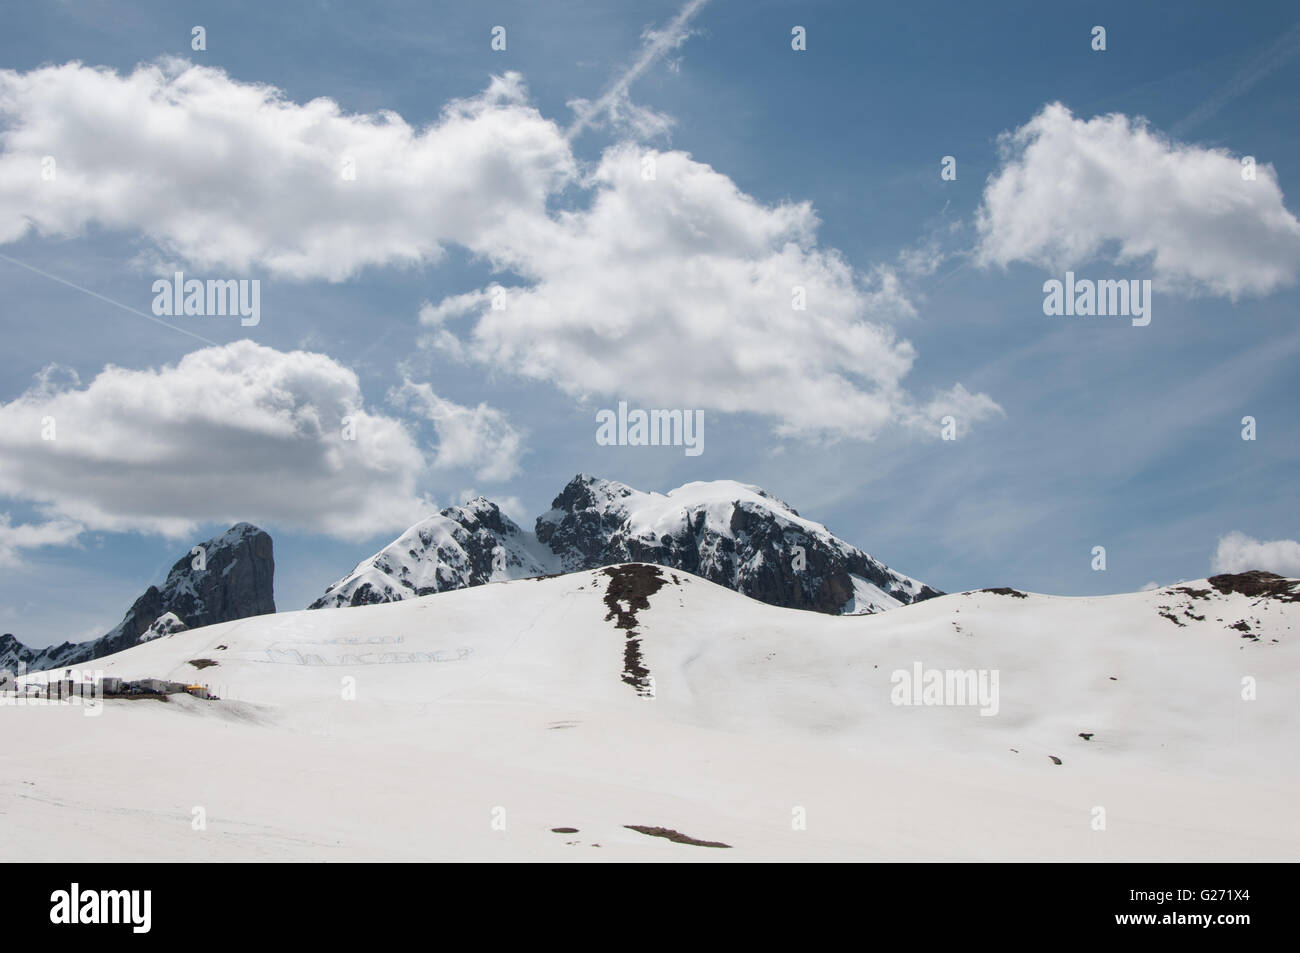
<point x="1074" y="432"/>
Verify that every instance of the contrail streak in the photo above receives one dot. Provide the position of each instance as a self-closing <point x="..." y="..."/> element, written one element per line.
<point x="658" y="43"/>
<point x="116" y="304"/>
<point x="1282" y="49"/>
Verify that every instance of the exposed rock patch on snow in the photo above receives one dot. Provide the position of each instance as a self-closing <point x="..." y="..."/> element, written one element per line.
<point x="632" y="585"/>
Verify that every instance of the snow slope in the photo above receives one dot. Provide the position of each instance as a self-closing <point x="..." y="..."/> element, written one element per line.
<point x="524" y="705"/>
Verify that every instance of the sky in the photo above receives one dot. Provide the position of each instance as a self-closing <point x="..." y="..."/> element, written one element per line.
<point x="466" y="252"/>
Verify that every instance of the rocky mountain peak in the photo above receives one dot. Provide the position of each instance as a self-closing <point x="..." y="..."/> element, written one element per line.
<point x="231" y="576"/>
<point x="466" y="545"/>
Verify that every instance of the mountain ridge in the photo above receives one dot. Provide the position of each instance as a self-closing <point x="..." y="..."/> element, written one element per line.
<point x="735" y="534"/>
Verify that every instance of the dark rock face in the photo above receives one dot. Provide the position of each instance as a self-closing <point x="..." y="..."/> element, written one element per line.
<point x="238" y="581"/>
<point x="759" y="548"/>
<point x="1257" y="583"/>
<point x="235" y="581"/>
<point x="586" y="521"/>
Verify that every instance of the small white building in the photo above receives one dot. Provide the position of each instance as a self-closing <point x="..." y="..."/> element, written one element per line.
<point x="160" y="686"/>
<point x="110" y="685"/>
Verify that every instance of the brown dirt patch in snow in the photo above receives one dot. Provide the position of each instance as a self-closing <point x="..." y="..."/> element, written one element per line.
<point x="634" y="671"/>
<point x="1007" y="591"/>
<point x="203" y="662"/>
<point x="677" y="837"/>
<point x="633" y="585"/>
<point x="1257" y="583"/>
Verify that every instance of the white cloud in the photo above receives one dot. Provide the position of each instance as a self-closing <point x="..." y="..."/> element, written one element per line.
<point x="228" y="433"/>
<point x="677" y="292"/>
<point x="1072" y="191"/>
<point x="1238" y="552"/>
<point x="479" y="438"/>
<point x="922" y="260"/>
<point x="455" y="306"/>
<point x="224" y="174"/>
<point x="14" y="539"/>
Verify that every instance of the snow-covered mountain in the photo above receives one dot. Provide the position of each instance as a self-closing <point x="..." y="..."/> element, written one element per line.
<point x="462" y="546"/>
<point x="730" y="533"/>
<point x="593" y="715"/>
<point x="233" y="578"/>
